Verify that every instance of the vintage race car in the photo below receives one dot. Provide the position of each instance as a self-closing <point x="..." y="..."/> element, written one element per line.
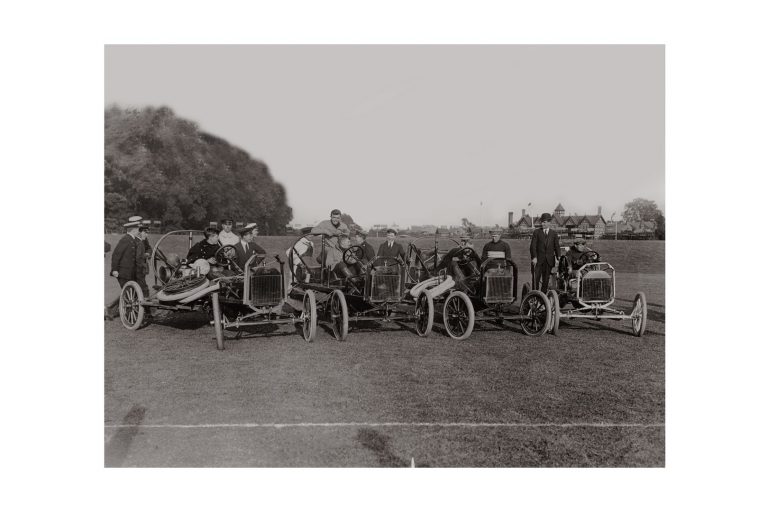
<point x="587" y="289"/>
<point x="233" y="297"/>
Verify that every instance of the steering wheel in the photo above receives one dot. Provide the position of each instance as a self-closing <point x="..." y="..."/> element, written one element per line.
<point x="353" y="255"/>
<point x="226" y="255"/>
<point x="466" y="253"/>
<point x="587" y="257"/>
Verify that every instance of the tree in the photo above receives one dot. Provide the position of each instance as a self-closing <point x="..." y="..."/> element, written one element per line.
<point x="161" y="166"/>
<point x="640" y="209"/>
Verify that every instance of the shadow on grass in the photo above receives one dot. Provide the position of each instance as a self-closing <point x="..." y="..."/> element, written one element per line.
<point x="379" y="444"/>
<point x="117" y="448"/>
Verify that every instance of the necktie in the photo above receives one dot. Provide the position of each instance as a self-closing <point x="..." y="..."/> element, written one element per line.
<point x="390" y="245"/>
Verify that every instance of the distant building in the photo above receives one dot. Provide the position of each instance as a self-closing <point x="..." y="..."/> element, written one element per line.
<point x="569" y="226"/>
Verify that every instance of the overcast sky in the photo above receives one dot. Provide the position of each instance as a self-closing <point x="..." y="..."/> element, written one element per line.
<point x="421" y="134"/>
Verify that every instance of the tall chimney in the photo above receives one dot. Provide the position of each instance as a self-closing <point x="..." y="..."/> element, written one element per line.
<point x="599" y="210"/>
<point x="523" y="212"/>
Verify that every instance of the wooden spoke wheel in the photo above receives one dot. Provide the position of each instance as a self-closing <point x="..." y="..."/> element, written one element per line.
<point x="458" y="315"/>
<point x="309" y="316"/>
<point x="554" y="301"/>
<point x="425" y="314"/>
<point x="339" y="315"/>
<point x="536" y="312"/>
<point x="131" y="310"/>
<point x="217" y="320"/>
<point x="639" y="314"/>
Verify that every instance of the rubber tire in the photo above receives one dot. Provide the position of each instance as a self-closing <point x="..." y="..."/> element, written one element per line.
<point x="548" y="312"/>
<point x="639" y="330"/>
<point x="554" y="301"/>
<point x="340" y="335"/>
<point x="470" y="314"/>
<point x="309" y="316"/>
<point x="166" y="297"/>
<point x="131" y="291"/>
<point x="217" y="327"/>
<point x="430" y="314"/>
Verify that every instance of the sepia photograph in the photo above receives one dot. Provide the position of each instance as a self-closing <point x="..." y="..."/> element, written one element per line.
<point x="383" y="256"/>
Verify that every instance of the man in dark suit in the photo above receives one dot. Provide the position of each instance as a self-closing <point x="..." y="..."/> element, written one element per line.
<point x="126" y="263"/>
<point x="246" y="247"/>
<point x="390" y="248"/>
<point x="124" y="257"/>
<point x="545" y="251"/>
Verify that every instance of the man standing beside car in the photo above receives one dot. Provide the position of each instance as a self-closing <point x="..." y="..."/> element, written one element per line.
<point x="545" y="251"/>
<point x="125" y="262"/>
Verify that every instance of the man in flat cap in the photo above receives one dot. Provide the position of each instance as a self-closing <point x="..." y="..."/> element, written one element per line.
<point x="545" y="251"/>
<point x="496" y="248"/>
<point x="390" y="248"/>
<point x="226" y="236"/>
<point x="246" y="247"/>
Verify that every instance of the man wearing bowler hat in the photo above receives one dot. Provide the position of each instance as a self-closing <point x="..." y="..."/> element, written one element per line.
<point x="545" y="251"/>
<point x="226" y="236"/>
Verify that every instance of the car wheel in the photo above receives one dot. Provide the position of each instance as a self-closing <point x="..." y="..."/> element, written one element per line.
<point x="425" y="314"/>
<point x="639" y="314"/>
<point x="339" y="315"/>
<point x="131" y="310"/>
<point x="554" y="301"/>
<point x="217" y="327"/>
<point x="536" y="313"/>
<point x="309" y="316"/>
<point x="458" y="315"/>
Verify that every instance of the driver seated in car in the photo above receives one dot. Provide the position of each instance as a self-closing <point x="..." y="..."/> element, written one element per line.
<point x="335" y="260"/>
<point x="205" y="249"/>
<point x="461" y="262"/>
<point x="576" y="256"/>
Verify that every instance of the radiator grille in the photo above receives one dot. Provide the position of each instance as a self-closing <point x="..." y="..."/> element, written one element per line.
<point x="498" y="288"/>
<point x="385" y="287"/>
<point x="596" y="289"/>
<point x="266" y="289"/>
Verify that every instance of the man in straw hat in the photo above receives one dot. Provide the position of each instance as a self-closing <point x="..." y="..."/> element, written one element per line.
<point x="125" y="261"/>
<point x="545" y="251"/>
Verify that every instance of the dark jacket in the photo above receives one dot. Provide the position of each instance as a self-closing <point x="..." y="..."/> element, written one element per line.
<point x="501" y="245"/>
<point x="394" y="252"/>
<point x="204" y="250"/>
<point x="124" y="257"/>
<point x="545" y="247"/>
<point x="243" y="255"/>
<point x="368" y="251"/>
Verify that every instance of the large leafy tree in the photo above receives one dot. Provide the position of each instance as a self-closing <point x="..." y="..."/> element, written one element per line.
<point x="640" y="209"/>
<point x="161" y="166"/>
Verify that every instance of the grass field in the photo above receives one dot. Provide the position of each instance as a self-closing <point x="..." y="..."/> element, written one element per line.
<point x="591" y="397"/>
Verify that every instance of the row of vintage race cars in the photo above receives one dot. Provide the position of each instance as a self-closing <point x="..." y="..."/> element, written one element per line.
<point x="296" y="288"/>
